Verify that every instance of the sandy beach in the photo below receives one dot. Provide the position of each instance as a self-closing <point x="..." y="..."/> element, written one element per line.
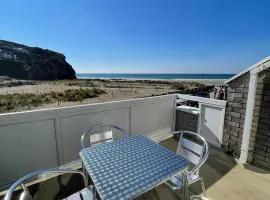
<point x="114" y="90"/>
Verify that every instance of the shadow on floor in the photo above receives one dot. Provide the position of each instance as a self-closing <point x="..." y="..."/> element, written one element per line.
<point x="56" y="188"/>
<point x="256" y="169"/>
<point x="217" y="165"/>
<point x="220" y="173"/>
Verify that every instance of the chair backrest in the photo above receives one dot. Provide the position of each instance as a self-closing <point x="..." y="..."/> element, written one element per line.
<point x="192" y="147"/>
<point x="102" y="133"/>
<point x="25" y="195"/>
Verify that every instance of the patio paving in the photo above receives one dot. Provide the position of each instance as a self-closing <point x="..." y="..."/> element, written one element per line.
<point x="224" y="178"/>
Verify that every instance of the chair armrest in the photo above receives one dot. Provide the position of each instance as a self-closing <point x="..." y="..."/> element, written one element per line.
<point x="40" y="172"/>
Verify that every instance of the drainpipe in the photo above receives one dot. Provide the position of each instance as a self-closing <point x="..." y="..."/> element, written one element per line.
<point x="249" y="115"/>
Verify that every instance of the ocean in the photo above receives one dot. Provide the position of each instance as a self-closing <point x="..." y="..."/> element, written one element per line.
<point x="155" y="76"/>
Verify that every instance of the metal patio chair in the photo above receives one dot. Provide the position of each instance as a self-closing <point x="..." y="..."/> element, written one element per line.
<point x="88" y="193"/>
<point x="104" y="135"/>
<point x="194" y="148"/>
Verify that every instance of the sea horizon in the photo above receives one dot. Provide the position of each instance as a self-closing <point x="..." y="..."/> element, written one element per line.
<point x="155" y="76"/>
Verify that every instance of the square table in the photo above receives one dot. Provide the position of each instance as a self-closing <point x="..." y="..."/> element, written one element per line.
<point x="126" y="168"/>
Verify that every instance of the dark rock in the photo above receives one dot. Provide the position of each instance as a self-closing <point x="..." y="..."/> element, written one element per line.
<point x="33" y="63"/>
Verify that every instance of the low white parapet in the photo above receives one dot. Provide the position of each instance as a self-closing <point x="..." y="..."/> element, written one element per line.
<point x="51" y="137"/>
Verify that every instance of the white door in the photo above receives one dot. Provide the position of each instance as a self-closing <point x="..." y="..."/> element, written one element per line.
<point x="211" y="123"/>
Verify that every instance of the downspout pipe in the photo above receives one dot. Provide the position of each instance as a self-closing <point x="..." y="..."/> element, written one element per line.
<point x="249" y="115"/>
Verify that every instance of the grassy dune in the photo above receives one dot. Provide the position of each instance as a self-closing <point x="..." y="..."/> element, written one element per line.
<point x="9" y="102"/>
<point x="17" y="95"/>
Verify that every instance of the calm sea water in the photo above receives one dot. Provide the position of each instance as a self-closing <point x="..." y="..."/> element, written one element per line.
<point x="154" y="76"/>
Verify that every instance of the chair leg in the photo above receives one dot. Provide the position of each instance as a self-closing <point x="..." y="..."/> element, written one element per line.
<point x="203" y="195"/>
<point x="85" y="173"/>
<point x="203" y="187"/>
<point x="178" y="194"/>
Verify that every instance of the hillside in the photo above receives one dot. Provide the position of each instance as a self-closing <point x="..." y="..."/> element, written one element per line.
<point x="33" y="63"/>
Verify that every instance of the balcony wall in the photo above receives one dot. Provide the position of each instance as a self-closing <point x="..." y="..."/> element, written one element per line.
<point x="50" y="138"/>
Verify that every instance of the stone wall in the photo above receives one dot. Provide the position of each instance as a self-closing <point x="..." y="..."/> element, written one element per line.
<point x="235" y="114"/>
<point x="186" y="121"/>
<point x="259" y="147"/>
<point x="259" y="153"/>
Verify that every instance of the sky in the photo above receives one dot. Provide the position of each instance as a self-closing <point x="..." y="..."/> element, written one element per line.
<point x="143" y="36"/>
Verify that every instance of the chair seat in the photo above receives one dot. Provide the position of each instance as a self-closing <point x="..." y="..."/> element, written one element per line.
<point x="176" y="181"/>
<point x="193" y="177"/>
<point x="85" y="194"/>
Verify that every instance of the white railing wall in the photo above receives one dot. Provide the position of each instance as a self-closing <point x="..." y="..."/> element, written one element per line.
<point x="50" y="138"/>
<point x="210" y="118"/>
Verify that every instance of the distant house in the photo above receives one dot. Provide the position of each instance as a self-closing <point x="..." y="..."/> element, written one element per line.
<point x="247" y="119"/>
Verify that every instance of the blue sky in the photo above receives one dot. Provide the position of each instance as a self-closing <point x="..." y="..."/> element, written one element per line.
<point x="143" y="36"/>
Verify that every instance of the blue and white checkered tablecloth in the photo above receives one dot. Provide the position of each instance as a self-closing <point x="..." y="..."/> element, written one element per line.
<point x="126" y="168"/>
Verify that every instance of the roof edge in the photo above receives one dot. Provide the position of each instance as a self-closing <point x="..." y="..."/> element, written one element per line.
<point x="266" y="59"/>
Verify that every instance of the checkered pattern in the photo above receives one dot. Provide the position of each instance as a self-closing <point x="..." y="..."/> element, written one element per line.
<point x="126" y="168"/>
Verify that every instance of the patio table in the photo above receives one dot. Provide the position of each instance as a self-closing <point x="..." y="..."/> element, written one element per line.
<point x="126" y="168"/>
